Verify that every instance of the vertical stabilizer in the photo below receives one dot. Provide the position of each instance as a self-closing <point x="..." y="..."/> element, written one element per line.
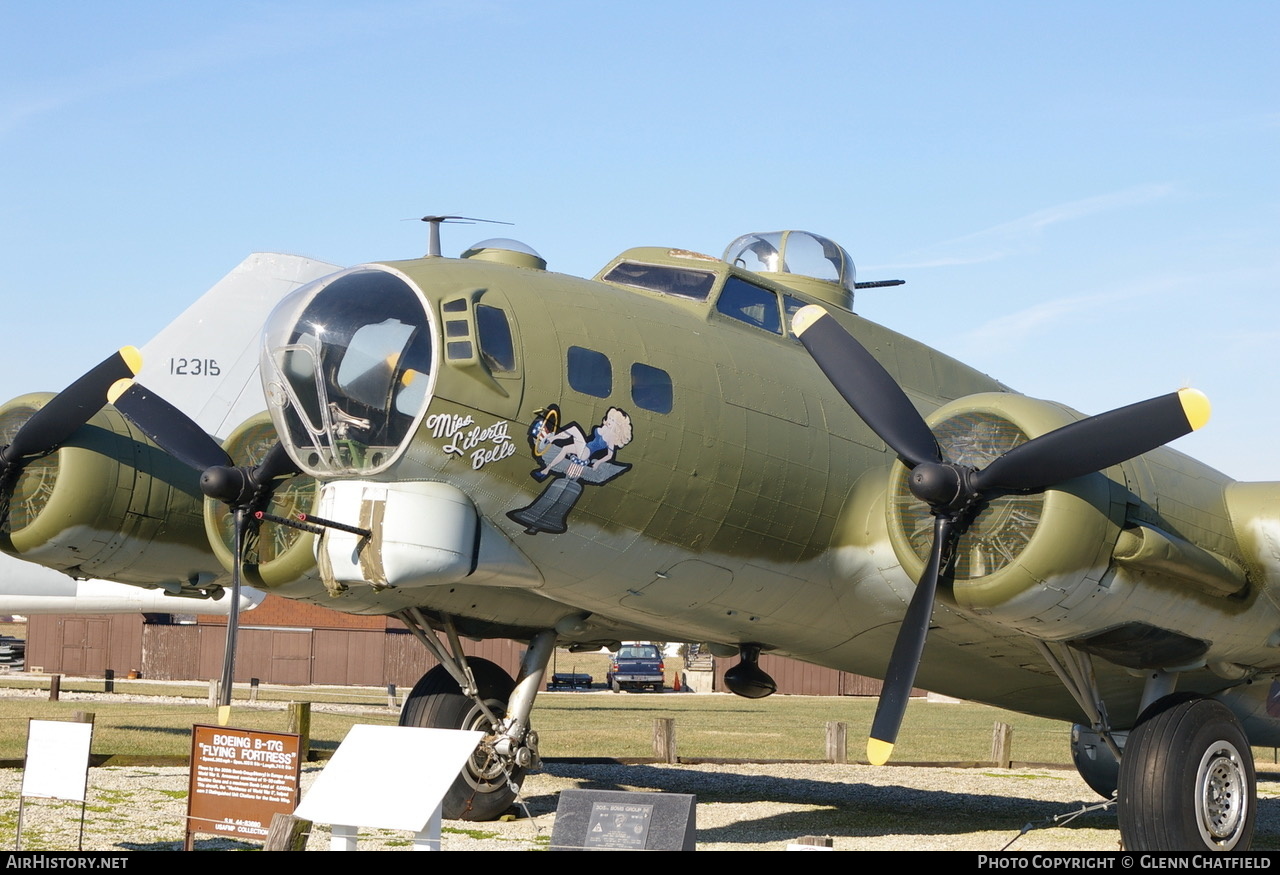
<point x="205" y="362"/>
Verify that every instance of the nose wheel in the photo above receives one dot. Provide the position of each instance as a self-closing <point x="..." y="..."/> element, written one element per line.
<point x="487" y="785"/>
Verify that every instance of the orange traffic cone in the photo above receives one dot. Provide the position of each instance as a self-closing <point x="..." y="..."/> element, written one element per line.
<point x="676" y="685"/>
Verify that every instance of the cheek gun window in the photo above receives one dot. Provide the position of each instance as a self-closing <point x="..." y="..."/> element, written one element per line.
<point x="651" y="388"/>
<point x="590" y="372"/>
<point x="496" y="346"/>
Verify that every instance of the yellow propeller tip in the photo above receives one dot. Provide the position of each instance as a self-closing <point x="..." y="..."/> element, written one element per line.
<point x="224" y="715"/>
<point x="806" y="316"/>
<point x="118" y="388"/>
<point x="1195" y="405"/>
<point x="878" y="752"/>
<point x="132" y="358"/>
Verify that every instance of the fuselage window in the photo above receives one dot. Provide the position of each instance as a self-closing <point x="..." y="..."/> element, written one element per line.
<point x="679" y="281"/>
<point x="496" y="346"/>
<point x="750" y="304"/>
<point x="590" y="372"/>
<point x="651" y="388"/>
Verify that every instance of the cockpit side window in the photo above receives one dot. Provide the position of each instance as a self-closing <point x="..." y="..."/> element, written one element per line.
<point x="679" y="281"/>
<point x="791" y="305"/>
<point x="751" y="304"/>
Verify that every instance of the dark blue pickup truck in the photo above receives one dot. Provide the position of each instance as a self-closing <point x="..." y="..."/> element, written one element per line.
<point x="636" y="667"/>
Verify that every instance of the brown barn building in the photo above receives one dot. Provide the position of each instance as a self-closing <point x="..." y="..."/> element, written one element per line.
<point x="281" y="642"/>
<point x="288" y="642"/>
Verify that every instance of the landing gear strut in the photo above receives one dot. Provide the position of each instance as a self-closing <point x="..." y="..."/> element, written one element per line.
<point x="472" y="693"/>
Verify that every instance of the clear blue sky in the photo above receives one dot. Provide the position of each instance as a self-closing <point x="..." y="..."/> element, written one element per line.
<point x="1083" y="197"/>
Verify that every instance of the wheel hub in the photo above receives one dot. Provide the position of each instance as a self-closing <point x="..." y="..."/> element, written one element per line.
<point x="1221" y="802"/>
<point x="485" y="767"/>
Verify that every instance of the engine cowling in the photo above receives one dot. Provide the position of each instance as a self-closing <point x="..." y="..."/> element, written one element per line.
<point x="276" y="555"/>
<point x="1023" y="556"/>
<point x="107" y="504"/>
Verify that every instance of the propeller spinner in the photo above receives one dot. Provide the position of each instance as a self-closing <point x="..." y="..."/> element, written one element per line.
<point x="955" y="492"/>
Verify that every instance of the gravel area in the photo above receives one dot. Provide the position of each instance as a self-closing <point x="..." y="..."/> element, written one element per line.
<point x="739" y="807"/>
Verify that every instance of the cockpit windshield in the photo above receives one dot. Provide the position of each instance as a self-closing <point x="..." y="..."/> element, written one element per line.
<point x="347" y="362"/>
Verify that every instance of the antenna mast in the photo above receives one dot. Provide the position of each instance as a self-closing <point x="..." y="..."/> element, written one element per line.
<point x="433" y="238"/>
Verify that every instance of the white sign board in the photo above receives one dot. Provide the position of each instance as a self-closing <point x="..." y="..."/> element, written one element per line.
<point x="366" y="782"/>
<point x="57" y="759"/>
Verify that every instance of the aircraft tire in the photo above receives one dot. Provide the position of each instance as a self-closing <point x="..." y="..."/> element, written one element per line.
<point x="1187" y="780"/>
<point x="481" y="791"/>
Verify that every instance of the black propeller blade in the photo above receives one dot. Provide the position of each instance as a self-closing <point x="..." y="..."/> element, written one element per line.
<point x="179" y="436"/>
<point x="866" y="386"/>
<point x="1096" y="443"/>
<point x="954" y="492"/>
<point x="245" y="489"/>
<point x="71" y="408"/>
<point x="170" y="428"/>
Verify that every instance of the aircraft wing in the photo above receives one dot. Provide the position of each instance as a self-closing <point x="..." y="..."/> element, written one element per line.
<point x="27" y="588"/>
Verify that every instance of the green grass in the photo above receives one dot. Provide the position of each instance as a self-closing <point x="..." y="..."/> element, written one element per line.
<point x="599" y="725"/>
<point x="199" y="692"/>
<point x="781" y="727"/>
<point x="161" y="729"/>
<point x="595" y="725"/>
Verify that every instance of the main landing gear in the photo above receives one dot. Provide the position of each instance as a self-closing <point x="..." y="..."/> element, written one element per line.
<point x="1185" y="781"/>
<point x="472" y="693"/>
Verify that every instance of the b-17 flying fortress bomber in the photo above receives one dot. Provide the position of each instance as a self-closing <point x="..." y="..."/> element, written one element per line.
<point x="694" y="448"/>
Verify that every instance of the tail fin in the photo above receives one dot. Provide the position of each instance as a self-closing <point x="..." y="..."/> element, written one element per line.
<point x="205" y="362"/>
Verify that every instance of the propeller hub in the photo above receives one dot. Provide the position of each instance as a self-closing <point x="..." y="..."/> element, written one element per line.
<point x="941" y="486"/>
<point x="227" y="484"/>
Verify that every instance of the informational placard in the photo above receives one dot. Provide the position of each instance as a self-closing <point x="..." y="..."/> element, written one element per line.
<point x="621" y="820"/>
<point x="365" y="783"/>
<point x="240" y="778"/>
<point x="57" y="759"/>
<point x="619" y="826"/>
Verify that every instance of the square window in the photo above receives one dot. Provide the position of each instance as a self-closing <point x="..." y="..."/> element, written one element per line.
<point x="590" y="372"/>
<point x="651" y="388"/>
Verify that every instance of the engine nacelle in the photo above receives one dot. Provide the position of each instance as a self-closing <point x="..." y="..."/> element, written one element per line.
<point x="1023" y="556"/>
<point x="107" y="504"/>
<point x="276" y="555"/>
